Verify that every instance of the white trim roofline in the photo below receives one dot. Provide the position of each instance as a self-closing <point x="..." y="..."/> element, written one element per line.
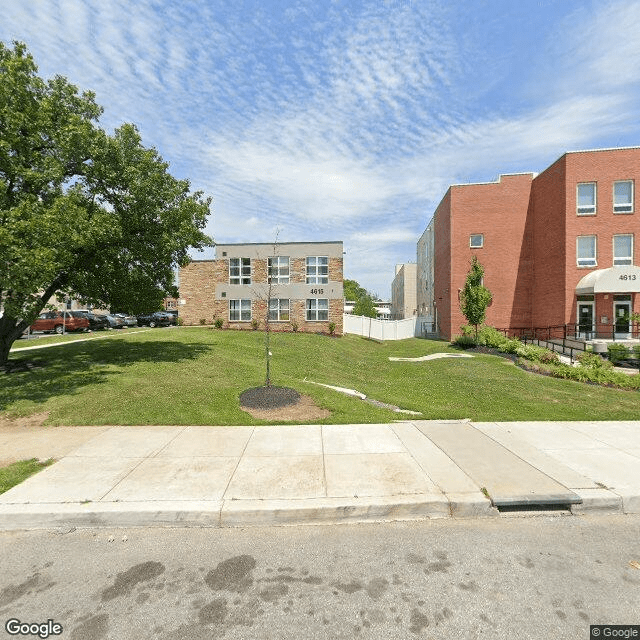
<point x="566" y="153"/>
<point x="500" y="176"/>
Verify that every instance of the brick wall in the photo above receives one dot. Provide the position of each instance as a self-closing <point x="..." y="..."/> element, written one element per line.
<point x="530" y="226"/>
<point x="198" y="289"/>
<point x="498" y="211"/>
<point x="549" y="246"/>
<point x="604" y="168"/>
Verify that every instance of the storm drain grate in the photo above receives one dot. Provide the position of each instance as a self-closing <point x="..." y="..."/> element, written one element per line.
<point x="538" y="507"/>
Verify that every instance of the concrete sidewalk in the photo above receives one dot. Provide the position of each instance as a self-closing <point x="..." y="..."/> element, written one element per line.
<point x="241" y="476"/>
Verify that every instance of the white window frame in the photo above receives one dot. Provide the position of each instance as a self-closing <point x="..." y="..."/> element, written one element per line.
<point x="244" y="304"/>
<point x="317" y="273"/>
<point x="278" y="269"/>
<point x="279" y="312"/>
<point x="626" y="207"/>
<point x="623" y="260"/>
<point x="593" y="262"/>
<point x="314" y="310"/>
<point x="591" y="209"/>
<point x="237" y="273"/>
<point x="476" y="235"/>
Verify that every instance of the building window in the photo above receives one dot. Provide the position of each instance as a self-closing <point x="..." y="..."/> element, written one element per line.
<point x="586" y="251"/>
<point x="317" y="270"/>
<point x="239" y="270"/>
<point x="239" y="310"/>
<point x="586" y="198"/>
<point x="623" y="250"/>
<point x="623" y="196"/>
<point x="317" y="309"/>
<point x="279" y="270"/>
<point x="476" y="241"/>
<point x="278" y="309"/>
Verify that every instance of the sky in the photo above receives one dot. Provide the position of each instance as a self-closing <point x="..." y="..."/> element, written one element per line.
<point x="334" y="120"/>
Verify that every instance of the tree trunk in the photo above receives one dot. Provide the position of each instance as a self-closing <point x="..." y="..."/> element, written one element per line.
<point x="5" y="345"/>
<point x="7" y="338"/>
<point x="10" y="331"/>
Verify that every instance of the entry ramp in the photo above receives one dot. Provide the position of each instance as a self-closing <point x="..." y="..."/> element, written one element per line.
<point x="508" y="479"/>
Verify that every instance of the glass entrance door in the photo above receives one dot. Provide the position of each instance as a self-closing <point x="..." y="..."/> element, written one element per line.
<point x="585" y="320"/>
<point x="622" y="313"/>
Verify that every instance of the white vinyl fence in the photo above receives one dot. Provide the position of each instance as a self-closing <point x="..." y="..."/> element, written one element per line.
<point x="381" y="329"/>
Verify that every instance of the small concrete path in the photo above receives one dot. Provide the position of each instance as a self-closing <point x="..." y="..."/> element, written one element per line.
<point x="120" y="333"/>
<point x="242" y="476"/>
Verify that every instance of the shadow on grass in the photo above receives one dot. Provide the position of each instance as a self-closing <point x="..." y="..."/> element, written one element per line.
<point x="64" y="369"/>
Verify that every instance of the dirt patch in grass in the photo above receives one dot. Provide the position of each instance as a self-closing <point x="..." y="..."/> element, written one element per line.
<point x="304" y="410"/>
<point x="23" y="424"/>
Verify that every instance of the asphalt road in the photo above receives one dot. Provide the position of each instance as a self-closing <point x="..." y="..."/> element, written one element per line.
<point x="520" y="577"/>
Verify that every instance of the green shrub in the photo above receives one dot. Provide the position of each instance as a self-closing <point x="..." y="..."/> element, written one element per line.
<point x="598" y="375"/>
<point x="594" y="361"/>
<point x="254" y="324"/>
<point x="464" y="342"/>
<point x="294" y="326"/>
<point x="332" y="328"/>
<point x="203" y="321"/>
<point x="537" y="353"/>
<point x="636" y="351"/>
<point x="617" y="352"/>
<point x="490" y="337"/>
<point x="180" y="321"/>
<point x="549" y="357"/>
<point x="218" y="322"/>
<point x="467" y="330"/>
<point x="511" y="345"/>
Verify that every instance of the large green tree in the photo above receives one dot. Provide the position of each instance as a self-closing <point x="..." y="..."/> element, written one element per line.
<point x="475" y="297"/>
<point x="82" y="213"/>
<point x="353" y="291"/>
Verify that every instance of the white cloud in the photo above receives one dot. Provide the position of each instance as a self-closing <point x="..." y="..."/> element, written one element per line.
<point x="335" y="122"/>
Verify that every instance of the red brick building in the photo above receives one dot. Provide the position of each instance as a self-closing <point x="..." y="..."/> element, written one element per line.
<point x="558" y="248"/>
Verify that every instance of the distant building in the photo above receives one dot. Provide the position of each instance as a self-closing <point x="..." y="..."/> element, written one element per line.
<point x="306" y="286"/>
<point x="383" y="308"/>
<point x="403" y="292"/>
<point x="558" y="248"/>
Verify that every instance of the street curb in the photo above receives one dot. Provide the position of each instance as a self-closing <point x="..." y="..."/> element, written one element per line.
<point x="227" y="514"/>
<point x="598" y="501"/>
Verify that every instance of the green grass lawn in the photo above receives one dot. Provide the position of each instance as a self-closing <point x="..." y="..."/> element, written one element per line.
<point x="194" y="375"/>
<point x="15" y="473"/>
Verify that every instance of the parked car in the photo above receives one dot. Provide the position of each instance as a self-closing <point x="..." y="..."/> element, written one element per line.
<point x="127" y="321"/>
<point x="57" y="321"/>
<point x="173" y="317"/>
<point x="155" y="319"/>
<point x="114" y="322"/>
<point x="96" y="321"/>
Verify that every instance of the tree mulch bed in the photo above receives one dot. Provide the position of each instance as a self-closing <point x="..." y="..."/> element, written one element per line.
<point x="268" y="397"/>
<point x="280" y="404"/>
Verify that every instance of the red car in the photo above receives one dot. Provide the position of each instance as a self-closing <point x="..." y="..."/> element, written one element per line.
<point x="56" y="320"/>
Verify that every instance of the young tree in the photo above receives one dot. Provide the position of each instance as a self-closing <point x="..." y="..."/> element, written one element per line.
<point x="365" y="306"/>
<point x="475" y="298"/>
<point x="82" y="213"/>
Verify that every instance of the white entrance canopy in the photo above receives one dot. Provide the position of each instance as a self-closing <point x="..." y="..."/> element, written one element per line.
<point x="611" y="280"/>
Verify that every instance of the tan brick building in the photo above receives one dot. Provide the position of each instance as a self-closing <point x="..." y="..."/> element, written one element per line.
<point x="299" y="282"/>
<point x="403" y="292"/>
